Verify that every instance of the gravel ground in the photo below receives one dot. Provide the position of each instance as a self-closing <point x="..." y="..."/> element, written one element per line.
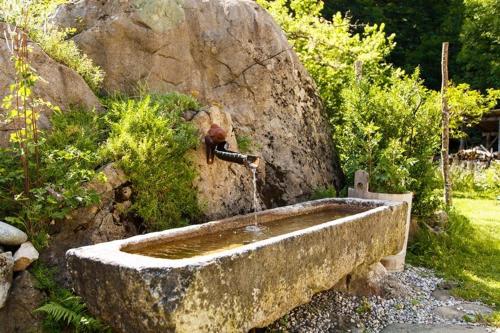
<point x="333" y="311"/>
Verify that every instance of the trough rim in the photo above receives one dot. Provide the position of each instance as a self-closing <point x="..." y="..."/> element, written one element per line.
<point x="112" y="253"/>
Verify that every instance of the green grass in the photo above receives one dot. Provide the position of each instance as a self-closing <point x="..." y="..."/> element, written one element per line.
<point x="467" y="252"/>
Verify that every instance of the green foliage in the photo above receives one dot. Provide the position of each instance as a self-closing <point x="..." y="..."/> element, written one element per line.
<point x="83" y="129"/>
<point x="68" y="159"/>
<point x="328" y="49"/>
<point x="40" y="181"/>
<point x="21" y="110"/>
<point x="483" y="183"/>
<point x="34" y="17"/>
<point x="44" y="276"/>
<point x="480" y="36"/>
<point x="245" y="144"/>
<point x="150" y="140"/>
<point x="392" y="131"/>
<point x="364" y="307"/>
<point x="419" y="27"/>
<point x="387" y="123"/>
<point x="471" y="26"/>
<point x="63" y="310"/>
<point x="466" y="251"/>
<point x="467" y="107"/>
<point x="324" y="192"/>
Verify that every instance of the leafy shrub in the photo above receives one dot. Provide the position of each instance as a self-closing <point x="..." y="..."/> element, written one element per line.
<point x="467" y="107"/>
<point x="392" y="130"/>
<point x="384" y="120"/>
<point x="150" y="139"/>
<point x="34" y="17"/>
<point x="69" y="157"/>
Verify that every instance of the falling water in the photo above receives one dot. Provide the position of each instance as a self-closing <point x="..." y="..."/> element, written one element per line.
<point x="255" y="201"/>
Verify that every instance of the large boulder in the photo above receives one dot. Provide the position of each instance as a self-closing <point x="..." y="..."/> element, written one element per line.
<point x="17" y="316"/>
<point x="103" y="222"/>
<point x="59" y="85"/>
<point x="229" y="54"/>
<point x="6" y="272"/>
<point x="223" y="178"/>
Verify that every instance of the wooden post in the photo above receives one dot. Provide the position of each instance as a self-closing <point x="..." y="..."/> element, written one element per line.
<point x="358" y="70"/>
<point x="445" y="142"/>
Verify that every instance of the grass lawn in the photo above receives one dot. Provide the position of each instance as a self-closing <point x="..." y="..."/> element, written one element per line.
<point x="468" y="252"/>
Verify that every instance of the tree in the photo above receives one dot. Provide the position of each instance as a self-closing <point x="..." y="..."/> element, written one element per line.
<point x="419" y="26"/>
<point x="328" y="49"/>
<point x="467" y="107"/>
<point x="480" y="37"/>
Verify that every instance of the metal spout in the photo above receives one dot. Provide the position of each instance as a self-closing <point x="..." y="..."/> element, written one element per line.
<point x="216" y="145"/>
<point x="222" y="153"/>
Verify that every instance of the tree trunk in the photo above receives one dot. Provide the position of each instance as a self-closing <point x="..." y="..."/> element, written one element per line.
<point x="445" y="143"/>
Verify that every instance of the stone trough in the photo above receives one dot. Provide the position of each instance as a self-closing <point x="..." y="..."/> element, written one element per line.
<point x="233" y="289"/>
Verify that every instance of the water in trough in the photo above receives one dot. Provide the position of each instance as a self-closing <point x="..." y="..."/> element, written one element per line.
<point x="232" y="238"/>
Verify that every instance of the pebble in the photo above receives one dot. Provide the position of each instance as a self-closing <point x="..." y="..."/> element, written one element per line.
<point x="333" y="311"/>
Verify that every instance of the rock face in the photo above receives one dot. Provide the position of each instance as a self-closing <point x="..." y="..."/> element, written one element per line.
<point x="17" y="316"/>
<point x="60" y="85"/>
<point x="6" y="271"/>
<point x="221" y="177"/>
<point x="236" y="289"/>
<point x="10" y="235"/>
<point x="24" y="256"/>
<point x="229" y="54"/>
<point x="90" y="225"/>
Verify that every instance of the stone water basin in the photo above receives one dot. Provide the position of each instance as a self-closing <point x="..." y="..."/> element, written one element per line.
<point x="230" y="275"/>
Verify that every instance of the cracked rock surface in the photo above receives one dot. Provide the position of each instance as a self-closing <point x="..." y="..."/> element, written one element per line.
<point x="231" y="55"/>
<point x="58" y="84"/>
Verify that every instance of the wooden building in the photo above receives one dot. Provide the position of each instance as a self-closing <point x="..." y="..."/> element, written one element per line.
<point x="490" y="128"/>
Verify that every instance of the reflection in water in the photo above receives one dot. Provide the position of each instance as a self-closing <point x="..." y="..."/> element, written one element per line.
<point x="232" y="238"/>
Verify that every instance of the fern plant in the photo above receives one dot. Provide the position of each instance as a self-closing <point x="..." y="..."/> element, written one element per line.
<point x="69" y="310"/>
<point x="64" y="309"/>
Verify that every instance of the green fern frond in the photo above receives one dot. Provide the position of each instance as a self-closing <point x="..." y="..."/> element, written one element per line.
<point x="60" y="313"/>
<point x="71" y="311"/>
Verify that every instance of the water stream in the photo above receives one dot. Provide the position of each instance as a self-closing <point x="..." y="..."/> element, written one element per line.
<point x="255" y="201"/>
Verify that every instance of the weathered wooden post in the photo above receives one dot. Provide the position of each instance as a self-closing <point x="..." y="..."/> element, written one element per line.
<point x="358" y="70"/>
<point x="445" y="142"/>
